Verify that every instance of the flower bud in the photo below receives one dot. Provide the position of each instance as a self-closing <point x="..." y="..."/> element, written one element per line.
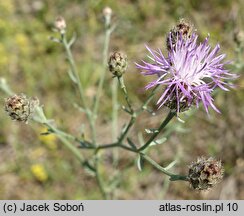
<point x="182" y="29"/>
<point x="117" y="63"/>
<point x="205" y="173"/>
<point x="60" y="24"/>
<point x="20" y="108"/>
<point x="239" y="37"/>
<point x="107" y="12"/>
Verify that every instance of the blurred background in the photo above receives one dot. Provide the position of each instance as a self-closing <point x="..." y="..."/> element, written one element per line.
<point x="39" y="167"/>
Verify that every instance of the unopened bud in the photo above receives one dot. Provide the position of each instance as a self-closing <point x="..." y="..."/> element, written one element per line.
<point x="107" y="14"/>
<point x="182" y="29"/>
<point x="107" y="11"/>
<point x="60" y="24"/>
<point x="20" y="108"/>
<point x="117" y="63"/>
<point x="205" y="173"/>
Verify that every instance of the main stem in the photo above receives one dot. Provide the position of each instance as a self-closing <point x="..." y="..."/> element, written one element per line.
<point x="96" y="105"/>
<point x="98" y="177"/>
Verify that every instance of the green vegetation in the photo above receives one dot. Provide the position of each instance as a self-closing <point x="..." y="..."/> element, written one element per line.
<point x="39" y="167"/>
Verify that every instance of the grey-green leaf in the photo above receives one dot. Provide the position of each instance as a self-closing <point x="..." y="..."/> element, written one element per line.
<point x="151" y="131"/>
<point x="158" y="141"/>
<point x="140" y="162"/>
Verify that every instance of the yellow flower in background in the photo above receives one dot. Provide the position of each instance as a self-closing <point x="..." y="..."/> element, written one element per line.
<point x="21" y="39"/>
<point x="49" y="140"/>
<point x="39" y="172"/>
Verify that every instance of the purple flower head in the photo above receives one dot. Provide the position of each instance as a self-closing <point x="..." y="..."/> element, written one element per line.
<point x="189" y="73"/>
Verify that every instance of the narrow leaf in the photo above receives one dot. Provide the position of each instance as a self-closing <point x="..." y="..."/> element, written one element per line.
<point x="89" y="168"/>
<point x="140" y="162"/>
<point x="158" y="141"/>
<point x="151" y="130"/>
<point x="72" y="40"/>
<point x="123" y="128"/>
<point x="131" y="143"/>
<point x="170" y="165"/>
<point x="71" y="76"/>
<point x="141" y="139"/>
<point x="80" y="108"/>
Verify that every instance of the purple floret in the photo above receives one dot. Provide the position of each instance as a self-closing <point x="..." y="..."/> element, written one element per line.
<point x="189" y="73"/>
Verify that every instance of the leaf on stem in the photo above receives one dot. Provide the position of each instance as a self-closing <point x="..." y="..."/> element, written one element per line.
<point x="123" y="128"/>
<point x="133" y="146"/>
<point x="81" y="109"/>
<point x="39" y="115"/>
<point x="56" y="40"/>
<point x="141" y="139"/>
<point x="172" y="164"/>
<point x="89" y="168"/>
<point x="149" y="111"/>
<point x="125" y="109"/>
<point x="158" y="141"/>
<point x="72" y="77"/>
<point x="140" y="162"/>
<point x="151" y="130"/>
<point x="72" y="40"/>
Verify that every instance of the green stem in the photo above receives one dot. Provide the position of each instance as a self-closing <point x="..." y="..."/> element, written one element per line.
<point x="126" y="130"/>
<point x="97" y="100"/>
<point x="99" y="179"/>
<point x="74" y="70"/>
<point x="80" y="87"/>
<point x="102" y="77"/>
<point x="161" y="127"/>
<point x="115" y="105"/>
<point x="131" y="111"/>
<point x="41" y="118"/>
<point x="147" y="101"/>
<point x="114" y="110"/>
<point x="136" y="113"/>
<point x="122" y="86"/>
<point x="4" y="86"/>
<point x="173" y="177"/>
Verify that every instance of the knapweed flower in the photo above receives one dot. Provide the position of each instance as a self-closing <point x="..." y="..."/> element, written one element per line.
<point x="20" y="108"/>
<point x="205" y="173"/>
<point x="188" y="74"/>
<point x="117" y="63"/>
